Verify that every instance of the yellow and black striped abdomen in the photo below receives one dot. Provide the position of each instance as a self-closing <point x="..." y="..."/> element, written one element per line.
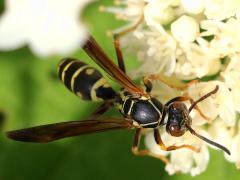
<point x="85" y="81"/>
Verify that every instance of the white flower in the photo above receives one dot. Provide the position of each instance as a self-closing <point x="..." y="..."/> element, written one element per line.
<point x="48" y="27"/>
<point x="181" y="160"/>
<point x="221" y="9"/>
<point x="185" y="40"/>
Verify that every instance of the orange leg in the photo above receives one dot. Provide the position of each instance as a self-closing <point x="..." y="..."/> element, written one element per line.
<point x="136" y="151"/>
<point x="104" y="107"/>
<point x="148" y="84"/>
<point x="121" y="32"/>
<point x="159" y="141"/>
<point x="159" y="78"/>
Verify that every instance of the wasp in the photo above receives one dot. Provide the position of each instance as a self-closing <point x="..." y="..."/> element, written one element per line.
<point x="139" y="109"/>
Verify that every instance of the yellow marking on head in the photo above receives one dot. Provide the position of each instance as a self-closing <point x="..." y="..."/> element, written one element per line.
<point x="90" y="71"/>
<point x="76" y="74"/>
<point x="65" y="69"/>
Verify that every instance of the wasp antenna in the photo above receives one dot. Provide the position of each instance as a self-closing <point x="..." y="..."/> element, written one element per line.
<point x="203" y="97"/>
<point x="209" y="141"/>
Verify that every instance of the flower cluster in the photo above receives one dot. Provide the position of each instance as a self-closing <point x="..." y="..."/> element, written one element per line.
<point x="184" y="40"/>
<point x="48" y="27"/>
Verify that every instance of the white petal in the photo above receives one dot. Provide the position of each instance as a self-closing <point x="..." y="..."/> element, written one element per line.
<point x="12" y="34"/>
<point x="194" y="7"/>
<point x="159" y="12"/>
<point x="226" y="105"/>
<point x="220" y="133"/>
<point x="238" y="14"/>
<point x="234" y="149"/>
<point x="236" y="96"/>
<point x="181" y="161"/>
<point x="13" y="25"/>
<point x="185" y="29"/>
<point x="221" y="9"/>
<point x="201" y="161"/>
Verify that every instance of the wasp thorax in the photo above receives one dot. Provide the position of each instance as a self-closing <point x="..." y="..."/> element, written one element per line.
<point x="178" y="118"/>
<point x="146" y="112"/>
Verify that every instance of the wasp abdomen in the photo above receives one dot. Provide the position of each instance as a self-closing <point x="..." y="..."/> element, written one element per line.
<point x="85" y="81"/>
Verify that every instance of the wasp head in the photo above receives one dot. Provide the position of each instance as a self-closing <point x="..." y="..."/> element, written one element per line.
<point x="178" y="118"/>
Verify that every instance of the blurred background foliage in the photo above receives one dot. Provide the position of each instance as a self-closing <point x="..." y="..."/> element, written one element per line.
<point x="31" y="94"/>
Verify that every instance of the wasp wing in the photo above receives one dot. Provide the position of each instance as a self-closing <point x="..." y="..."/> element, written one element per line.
<point x="92" y="48"/>
<point x="52" y="132"/>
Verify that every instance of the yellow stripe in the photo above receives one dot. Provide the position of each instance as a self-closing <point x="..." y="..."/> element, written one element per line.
<point x="65" y="69"/>
<point x="76" y="74"/>
<point x="60" y="64"/>
<point x="100" y="82"/>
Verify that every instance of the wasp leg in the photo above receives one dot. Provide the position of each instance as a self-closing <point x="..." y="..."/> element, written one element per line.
<point x="121" y="32"/>
<point x="104" y="107"/>
<point x="148" y="84"/>
<point x="137" y="152"/>
<point x="159" y="141"/>
<point x="187" y="98"/>
<point x="128" y="28"/>
<point x="118" y="50"/>
<point x="159" y="78"/>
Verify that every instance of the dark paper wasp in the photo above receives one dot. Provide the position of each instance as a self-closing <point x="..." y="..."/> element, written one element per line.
<point x="139" y="109"/>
